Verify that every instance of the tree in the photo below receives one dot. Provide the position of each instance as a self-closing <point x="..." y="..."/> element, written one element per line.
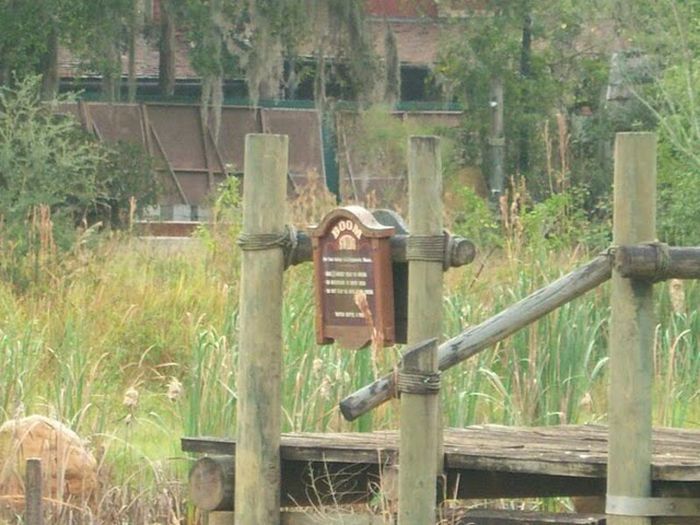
<point x="97" y="33"/>
<point x="392" y="84"/>
<point x="44" y="159"/>
<point x="667" y="35"/>
<point x="29" y="36"/>
<point x="515" y="66"/>
<point x="166" y="48"/>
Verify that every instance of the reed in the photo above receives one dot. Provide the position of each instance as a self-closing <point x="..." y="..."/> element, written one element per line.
<point x="127" y="315"/>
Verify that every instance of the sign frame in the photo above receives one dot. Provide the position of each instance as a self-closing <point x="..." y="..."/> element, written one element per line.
<point x="352" y="263"/>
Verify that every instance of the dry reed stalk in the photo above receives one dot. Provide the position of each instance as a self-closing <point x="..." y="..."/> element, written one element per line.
<point x="312" y="202"/>
<point x="377" y="336"/>
<point x="132" y="211"/>
<point x="676" y="291"/>
<point x="41" y="227"/>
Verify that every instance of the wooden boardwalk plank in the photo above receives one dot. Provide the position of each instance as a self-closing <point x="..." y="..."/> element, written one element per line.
<point x="578" y="451"/>
<point x="486" y="461"/>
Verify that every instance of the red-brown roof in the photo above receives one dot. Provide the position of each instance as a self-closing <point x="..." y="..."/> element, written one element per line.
<point x="401" y="8"/>
<point x="416" y="42"/>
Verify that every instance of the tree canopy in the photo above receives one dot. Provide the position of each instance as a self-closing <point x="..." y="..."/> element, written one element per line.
<point x="539" y="81"/>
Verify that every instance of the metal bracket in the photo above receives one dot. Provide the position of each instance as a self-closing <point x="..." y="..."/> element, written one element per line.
<point x="635" y="506"/>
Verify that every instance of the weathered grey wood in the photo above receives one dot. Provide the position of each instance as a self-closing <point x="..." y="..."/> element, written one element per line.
<point x="220" y="518"/>
<point x="643" y="262"/>
<point x="310" y="516"/>
<point x="631" y="326"/>
<point x="316" y="516"/>
<point x="34" y="512"/>
<point x="462" y="251"/>
<point x="573" y="450"/>
<point x="258" y="426"/>
<point x="311" y="481"/>
<point x="485" y="461"/>
<point x="491" y="331"/>
<point x="509" y="517"/>
<point x="324" y="516"/>
<point x="420" y="426"/>
<point x="211" y="482"/>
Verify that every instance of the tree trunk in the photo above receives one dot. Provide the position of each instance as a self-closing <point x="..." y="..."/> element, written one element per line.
<point x="49" y="67"/>
<point x="212" y="98"/>
<point x="320" y="78"/>
<point x="166" y="71"/>
<point x="111" y="76"/>
<point x="392" y="86"/>
<point x="133" y="34"/>
<point x="525" y="72"/>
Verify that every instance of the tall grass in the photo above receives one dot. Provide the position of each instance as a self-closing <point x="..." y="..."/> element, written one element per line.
<point x="163" y="323"/>
<point x="136" y="317"/>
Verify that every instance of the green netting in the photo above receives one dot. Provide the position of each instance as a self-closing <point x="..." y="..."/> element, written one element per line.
<point x="93" y="96"/>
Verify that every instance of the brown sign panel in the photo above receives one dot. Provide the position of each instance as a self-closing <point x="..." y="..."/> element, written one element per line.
<point x="353" y="279"/>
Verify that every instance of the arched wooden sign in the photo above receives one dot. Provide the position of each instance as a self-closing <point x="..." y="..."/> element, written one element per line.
<point x="353" y="279"/>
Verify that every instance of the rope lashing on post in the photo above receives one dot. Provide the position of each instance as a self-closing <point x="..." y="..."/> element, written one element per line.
<point x="411" y="381"/>
<point x="649" y="261"/>
<point x="610" y="251"/>
<point x="286" y="240"/>
<point x="430" y="248"/>
<point x="663" y="259"/>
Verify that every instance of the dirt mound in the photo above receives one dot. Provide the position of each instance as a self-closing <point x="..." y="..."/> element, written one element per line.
<point x="69" y="470"/>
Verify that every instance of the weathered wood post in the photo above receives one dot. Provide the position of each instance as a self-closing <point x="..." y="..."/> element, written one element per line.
<point x="257" y="498"/>
<point x="631" y="329"/>
<point x="34" y="512"/>
<point x="420" y="420"/>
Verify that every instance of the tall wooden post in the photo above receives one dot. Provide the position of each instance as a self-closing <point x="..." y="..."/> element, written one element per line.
<point x="420" y="420"/>
<point x="257" y="498"/>
<point x="632" y="327"/>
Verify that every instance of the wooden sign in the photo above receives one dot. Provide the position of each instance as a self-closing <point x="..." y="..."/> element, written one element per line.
<point x="353" y="279"/>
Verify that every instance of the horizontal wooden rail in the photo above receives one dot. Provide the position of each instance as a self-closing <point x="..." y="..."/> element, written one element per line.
<point x="461" y="251"/>
<point x="656" y="262"/>
<point x="490" y="332"/>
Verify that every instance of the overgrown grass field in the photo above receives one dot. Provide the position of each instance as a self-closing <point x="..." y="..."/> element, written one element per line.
<point x="135" y="346"/>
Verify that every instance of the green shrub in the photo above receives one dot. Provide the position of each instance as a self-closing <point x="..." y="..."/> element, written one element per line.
<point x="678" y="199"/>
<point x="475" y="220"/>
<point x="560" y="221"/>
<point x="45" y="159"/>
<point x="54" y="176"/>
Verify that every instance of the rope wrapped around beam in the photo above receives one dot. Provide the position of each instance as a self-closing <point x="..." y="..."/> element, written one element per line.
<point x="663" y="259"/>
<point x="287" y="240"/>
<point x="431" y="248"/>
<point x="411" y="381"/>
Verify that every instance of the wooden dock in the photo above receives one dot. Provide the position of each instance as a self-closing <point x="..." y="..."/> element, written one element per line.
<point x="480" y="462"/>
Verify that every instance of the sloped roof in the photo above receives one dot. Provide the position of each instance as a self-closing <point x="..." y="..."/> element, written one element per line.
<point x="401" y="8"/>
<point x="147" y="60"/>
<point x="417" y="41"/>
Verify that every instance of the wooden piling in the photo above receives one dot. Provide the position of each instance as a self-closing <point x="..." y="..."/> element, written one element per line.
<point x="33" y="514"/>
<point x="420" y="421"/>
<point x="631" y="327"/>
<point x="257" y="498"/>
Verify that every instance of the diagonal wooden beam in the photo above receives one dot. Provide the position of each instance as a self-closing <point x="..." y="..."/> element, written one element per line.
<point x="479" y="337"/>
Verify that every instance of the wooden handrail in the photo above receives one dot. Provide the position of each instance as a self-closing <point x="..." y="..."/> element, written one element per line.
<point x="479" y="337"/>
